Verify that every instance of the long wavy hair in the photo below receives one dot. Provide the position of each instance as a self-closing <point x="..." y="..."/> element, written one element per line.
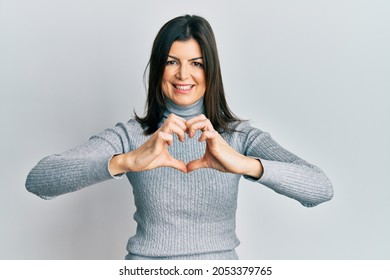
<point x="181" y="29"/>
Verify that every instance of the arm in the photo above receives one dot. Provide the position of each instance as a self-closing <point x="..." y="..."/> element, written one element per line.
<point x="79" y="167"/>
<point x="105" y="155"/>
<point x="284" y="172"/>
<point x="258" y="157"/>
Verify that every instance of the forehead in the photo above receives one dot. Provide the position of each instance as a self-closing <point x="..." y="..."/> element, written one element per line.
<point x="186" y="49"/>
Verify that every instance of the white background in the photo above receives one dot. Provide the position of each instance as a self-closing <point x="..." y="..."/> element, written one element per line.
<point x="315" y="74"/>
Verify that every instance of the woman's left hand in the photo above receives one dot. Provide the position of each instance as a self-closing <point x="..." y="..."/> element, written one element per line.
<point x="219" y="155"/>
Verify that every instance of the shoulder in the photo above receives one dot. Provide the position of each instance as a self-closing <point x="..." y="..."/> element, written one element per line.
<point x="243" y="129"/>
<point x="129" y="127"/>
<point x="243" y="134"/>
<point x="132" y="129"/>
<point x="122" y="131"/>
<point x="132" y="125"/>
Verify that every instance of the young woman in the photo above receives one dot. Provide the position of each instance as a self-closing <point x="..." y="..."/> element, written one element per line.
<point x="185" y="157"/>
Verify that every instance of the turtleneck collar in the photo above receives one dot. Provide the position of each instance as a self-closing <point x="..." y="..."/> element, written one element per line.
<point x="186" y="112"/>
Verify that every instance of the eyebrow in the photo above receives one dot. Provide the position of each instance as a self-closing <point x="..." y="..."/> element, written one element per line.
<point x="192" y="59"/>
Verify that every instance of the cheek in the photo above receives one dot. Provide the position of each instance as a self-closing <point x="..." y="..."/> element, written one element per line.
<point x="200" y="78"/>
<point x="165" y="80"/>
<point x="165" y="87"/>
<point x="169" y="73"/>
<point x="164" y="77"/>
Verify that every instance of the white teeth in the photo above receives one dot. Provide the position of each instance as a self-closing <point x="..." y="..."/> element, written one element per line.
<point x="183" y="87"/>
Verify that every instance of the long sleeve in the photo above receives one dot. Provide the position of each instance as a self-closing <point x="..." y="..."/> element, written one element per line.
<point x="284" y="172"/>
<point x="84" y="165"/>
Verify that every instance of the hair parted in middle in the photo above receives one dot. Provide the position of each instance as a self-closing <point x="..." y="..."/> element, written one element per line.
<point x="184" y="28"/>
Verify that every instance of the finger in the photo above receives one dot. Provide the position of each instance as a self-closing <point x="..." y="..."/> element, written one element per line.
<point x="178" y="164"/>
<point x="175" y="128"/>
<point x="208" y="135"/>
<point x="190" y="122"/>
<point x="172" y="118"/>
<point x="195" y="165"/>
<point x="165" y="137"/>
<point x="200" y="117"/>
<point x="180" y="132"/>
<point x="204" y="125"/>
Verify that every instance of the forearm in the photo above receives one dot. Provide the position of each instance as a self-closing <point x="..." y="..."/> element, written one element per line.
<point x="307" y="184"/>
<point x="284" y="172"/>
<point x="81" y="166"/>
<point x="58" y="174"/>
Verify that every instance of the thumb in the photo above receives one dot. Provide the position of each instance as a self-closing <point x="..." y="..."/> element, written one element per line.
<point x="196" y="164"/>
<point x="178" y="164"/>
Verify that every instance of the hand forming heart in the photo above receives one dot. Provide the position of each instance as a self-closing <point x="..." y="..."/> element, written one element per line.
<point x="218" y="154"/>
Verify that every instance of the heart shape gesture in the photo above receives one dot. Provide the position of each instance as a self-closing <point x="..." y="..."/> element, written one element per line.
<point x="218" y="155"/>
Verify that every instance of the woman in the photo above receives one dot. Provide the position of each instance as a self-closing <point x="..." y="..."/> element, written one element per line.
<point x="185" y="157"/>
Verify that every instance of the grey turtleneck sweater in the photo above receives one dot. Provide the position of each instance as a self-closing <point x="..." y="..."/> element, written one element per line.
<point x="182" y="216"/>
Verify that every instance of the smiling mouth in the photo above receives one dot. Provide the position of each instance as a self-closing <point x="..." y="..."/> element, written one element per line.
<point x="183" y="88"/>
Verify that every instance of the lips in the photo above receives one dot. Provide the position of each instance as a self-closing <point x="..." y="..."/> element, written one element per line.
<point x="182" y="88"/>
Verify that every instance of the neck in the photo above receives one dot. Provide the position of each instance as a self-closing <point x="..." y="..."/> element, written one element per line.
<point x="186" y="112"/>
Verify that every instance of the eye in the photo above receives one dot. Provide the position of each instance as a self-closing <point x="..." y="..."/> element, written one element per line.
<point x="197" y="64"/>
<point x="171" y="62"/>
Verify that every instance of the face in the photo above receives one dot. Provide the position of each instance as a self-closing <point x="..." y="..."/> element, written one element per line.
<point x="184" y="78"/>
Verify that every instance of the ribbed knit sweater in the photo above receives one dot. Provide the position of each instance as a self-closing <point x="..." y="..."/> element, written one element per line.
<point x="180" y="215"/>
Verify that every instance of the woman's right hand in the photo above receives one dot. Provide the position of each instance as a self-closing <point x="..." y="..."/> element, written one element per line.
<point x="154" y="152"/>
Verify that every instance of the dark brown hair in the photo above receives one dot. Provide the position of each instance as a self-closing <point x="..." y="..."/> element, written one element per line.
<point x="181" y="29"/>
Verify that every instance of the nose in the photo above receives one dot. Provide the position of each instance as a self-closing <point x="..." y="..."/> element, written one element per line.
<point x="182" y="72"/>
